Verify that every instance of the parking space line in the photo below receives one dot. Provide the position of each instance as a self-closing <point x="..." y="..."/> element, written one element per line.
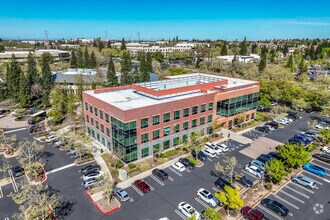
<point x="287" y="202"/>
<point x="216" y="189"/>
<point x="170" y="178"/>
<point x="291" y="196"/>
<point x="7" y="218"/>
<point x="131" y="199"/>
<point x="296" y="191"/>
<point x="209" y="159"/>
<point x="320" y="161"/>
<point x="1" y="194"/>
<point x="188" y="170"/>
<point x="312" y="162"/>
<point x="61" y="168"/>
<point x="249" y="174"/>
<point x="269" y="212"/>
<point x="137" y="190"/>
<point x="157" y="180"/>
<point x="202" y="203"/>
<point x="11" y="131"/>
<point x="180" y="214"/>
<point x="174" y="171"/>
<point x="304" y="188"/>
<point x="13" y="182"/>
<point x="152" y="188"/>
<point x="317" y="177"/>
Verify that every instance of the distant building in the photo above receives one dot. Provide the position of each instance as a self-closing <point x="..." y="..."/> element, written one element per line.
<point x="57" y="55"/>
<point x="69" y="46"/>
<point x="240" y="58"/>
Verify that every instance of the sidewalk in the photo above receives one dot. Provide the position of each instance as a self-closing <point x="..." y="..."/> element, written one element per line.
<point x="99" y="160"/>
<point x="237" y="137"/>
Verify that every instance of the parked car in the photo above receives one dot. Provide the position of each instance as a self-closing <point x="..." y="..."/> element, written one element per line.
<point x="18" y="171"/>
<point x="209" y="152"/>
<point x="275" y="206"/>
<point x="221" y="183"/>
<point x="263" y="159"/>
<point x="304" y="181"/>
<point x="178" y="166"/>
<point x="323" y="125"/>
<point x="296" y="141"/>
<point x="90" y="183"/>
<point x="188" y="211"/>
<point x="315" y="169"/>
<point x="322" y="157"/>
<point x="273" y="124"/>
<point x="275" y="155"/>
<point x="59" y="144"/>
<point x="310" y="135"/>
<point x="325" y="150"/>
<point x="161" y="174"/>
<point x="223" y="147"/>
<point x="51" y="139"/>
<point x="207" y="197"/>
<point x="252" y="214"/>
<point x="293" y="115"/>
<point x="304" y="138"/>
<point x="254" y="170"/>
<point x="89" y="168"/>
<point x="189" y="165"/>
<point x="245" y="181"/>
<point x="141" y="185"/>
<point x="270" y="127"/>
<point x="96" y="174"/>
<point x="215" y="173"/>
<point x="121" y="194"/>
<point x="258" y="164"/>
<point x="264" y="129"/>
<point x="214" y="147"/>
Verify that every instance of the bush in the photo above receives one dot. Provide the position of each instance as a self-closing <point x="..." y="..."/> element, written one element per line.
<point x="163" y="160"/>
<point x="193" y="161"/>
<point x="119" y="165"/>
<point x="269" y="186"/>
<point x="114" y="173"/>
<point x="131" y="166"/>
<point x="170" y="153"/>
<point x="144" y="166"/>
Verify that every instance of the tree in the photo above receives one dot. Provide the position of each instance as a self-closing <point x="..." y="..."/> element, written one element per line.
<point x="272" y="56"/>
<point x="107" y="188"/>
<point x="80" y="59"/>
<point x="86" y="58"/>
<point x="2" y="48"/>
<point x="264" y="102"/>
<point x="229" y="168"/>
<point x="325" y="134"/>
<point x="254" y="48"/>
<point x="136" y="75"/>
<point x="285" y="49"/>
<point x="93" y="86"/>
<point x="58" y="105"/>
<point x="243" y="47"/>
<point x="263" y="62"/>
<point x="123" y="44"/>
<point x="73" y="62"/>
<point x="29" y="152"/>
<point x="230" y="198"/>
<point x="196" y="142"/>
<point x="211" y="214"/>
<point x="302" y="67"/>
<point x="92" y="62"/>
<point x="24" y="97"/>
<point x="46" y="77"/>
<point x="125" y="68"/>
<point x="276" y="170"/>
<point x="109" y="44"/>
<point x="111" y="74"/>
<point x="224" y="49"/>
<point x="100" y="46"/>
<point x="145" y="77"/>
<point x="293" y="154"/>
<point x="149" y="63"/>
<point x="290" y="64"/>
<point x="13" y="77"/>
<point x="5" y="166"/>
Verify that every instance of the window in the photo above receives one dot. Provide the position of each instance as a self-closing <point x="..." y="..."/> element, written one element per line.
<point x="186" y="112"/>
<point x="167" y="131"/>
<point x="95" y="111"/>
<point x="185" y="125"/>
<point x="108" y="132"/>
<point x="91" y="109"/>
<point x="247" y="117"/>
<point x="144" y="123"/>
<point x="166" y="145"/>
<point x="102" y="128"/>
<point x="156" y="148"/>
<point x="101" y="114"/>
<point x="92" y="121"/>
<point x="156" y="120"/>
<point x="194" y="110"/>
<point x="155" y="134"/>
<point x="176" y="141"/>
<point x="202" y="120"/>
<point x="86" y="106"/>
<point x="185" y="138"/>
<point x="176" y="114"/>
<point x="167" y="117"/>
<point x="107" y="117"/>
<point x="145" y="152"/>
<point x="97" y="124"/>
<point x="211" y="106"/>
<point x="252" y="115"/>
<point x="87" y="118"/>
<point x="203" y="108"/>
<point x="144" y="138"/>
<point x="209" y="118"/>
<point x="176" y="128"/>
<point x="194" y="123"/>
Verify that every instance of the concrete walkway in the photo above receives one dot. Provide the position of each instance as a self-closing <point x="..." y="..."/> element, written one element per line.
<point x="99" y="159"/>
<point x="236" y="137"/>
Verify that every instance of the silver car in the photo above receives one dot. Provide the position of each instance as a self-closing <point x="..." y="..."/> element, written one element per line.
<point x="304" y="181"/>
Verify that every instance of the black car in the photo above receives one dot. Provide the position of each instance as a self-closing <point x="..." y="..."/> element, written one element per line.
<point x="293" y="115"/>
<point x="189" y="165"/>
<point x="264" y="129"/>
<point x="275" y="206"/>
<point x="215" y="173"/>
<point x="273" y="124"/>
<point x="322" y="157"/>
<point x="18" y="171"/>
<point x="275" y="155"/>
<point x="268" y="109"/>
<point x="245" y="181"/>
<point x="263" y="159"/>
<point x="221" y="183"/>
<point x="201" y="156"/>
<point x="90" y="168"/>
<point x="270" y="157"/>
<point x="160" y="174"/>
<point x="296" y="141"/>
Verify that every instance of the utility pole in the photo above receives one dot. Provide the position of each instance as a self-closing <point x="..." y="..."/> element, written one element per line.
<point x="139" y="37"/>
<point x="106" y="35"/>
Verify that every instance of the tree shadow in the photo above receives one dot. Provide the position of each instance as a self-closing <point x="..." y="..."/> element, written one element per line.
<point x="65" y="209"/>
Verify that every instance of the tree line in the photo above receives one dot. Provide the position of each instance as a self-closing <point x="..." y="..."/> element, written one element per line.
<point x="83" y="59"/>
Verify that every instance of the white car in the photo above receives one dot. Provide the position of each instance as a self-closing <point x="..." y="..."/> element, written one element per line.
<point x="223" y="147"/>
<point x="214" y="147"/>
<point x="270" y="127"/>
<point x="209" y="152"/>
<point x="254" y="171"/>
<point x="322" y="125"/>
<point x="325" y="150"/>
<point x="188" y="211"/>
<point x="207" y="197"/>
<point x="179" y="166"/>
<point x="51" y="139"/>
<point x="96" y="174"/>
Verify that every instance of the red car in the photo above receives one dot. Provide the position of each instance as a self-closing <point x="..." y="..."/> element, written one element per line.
<point x="252" y="214"/>
<point x="141" y="185"/>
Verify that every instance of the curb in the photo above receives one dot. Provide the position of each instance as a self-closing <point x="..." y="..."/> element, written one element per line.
<point x="97" y="206"/>
<point x="44" y="175"/>
<point x="82" y="164"/>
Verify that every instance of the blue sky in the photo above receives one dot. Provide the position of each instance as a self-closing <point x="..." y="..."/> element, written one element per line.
<point x="214" y="19"/>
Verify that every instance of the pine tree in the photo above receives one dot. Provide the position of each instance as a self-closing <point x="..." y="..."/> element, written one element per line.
<point x="73" y="62"/>
<point x="123" y="44"/>
<point x="80" y="89"/>
<point x="86" y="58"/>
<point x="302" y="66"/>
<point x="92" y="62"/>
<point x="100" y="46"/>
<point x="111" y="74"/>
<point x="263" y="62"/>
<point x="80" y="59"/>
<point x="290" y="64"/>
<point x="46" y="77"/>
<point x="93" y="86"/>
<point x="285" y="49"/>
<point x="145" y="77"/>
<point x="254" y="48"/>
<point x="125" y="68"/>
<point x="224" y="51"/>
<point x="31" y="77"/>
<point x="272" y="55"/>
<point x="109" y="44"/>
<point x="13" y="77"/>
<point x="135" y="75"/>
<point x="149" y="63"/>
<point x="243" y="47"/>
<point x="24" y="96"/>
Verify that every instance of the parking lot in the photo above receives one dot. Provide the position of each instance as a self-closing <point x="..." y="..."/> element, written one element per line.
<point x="302" y="202"/>
<point x="253" y="134"/>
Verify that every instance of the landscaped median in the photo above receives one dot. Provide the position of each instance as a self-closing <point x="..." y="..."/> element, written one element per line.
<point x="100" y="202"/>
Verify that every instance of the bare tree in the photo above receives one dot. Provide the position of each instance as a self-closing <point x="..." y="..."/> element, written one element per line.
<point x="28" y="152"/>
<point x="5" y="166"/>
<point x="107" y="186"/>
<point x="229" y="168"/>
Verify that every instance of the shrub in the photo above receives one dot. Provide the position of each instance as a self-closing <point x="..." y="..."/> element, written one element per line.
<point x="119" y="165"/>
<point x="170" y="153"/>
<point x="163" y="160"/>
<point x="131" y="166"/>
<point x="144" y="166"/>
<point x="193" y="161"/>
<point x="114" y="173"/>
<point x="269" y="186"/>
